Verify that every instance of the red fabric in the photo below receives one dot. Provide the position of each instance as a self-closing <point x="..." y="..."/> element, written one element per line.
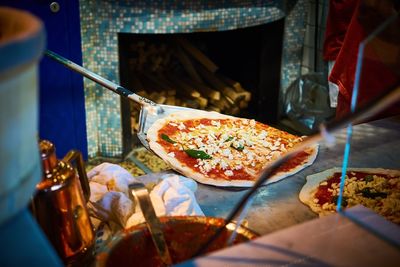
<point x="339" y="17"/>
<point x="376" y="77"/>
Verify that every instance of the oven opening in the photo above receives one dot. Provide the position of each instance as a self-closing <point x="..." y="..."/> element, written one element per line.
<point x="234" y="72"/>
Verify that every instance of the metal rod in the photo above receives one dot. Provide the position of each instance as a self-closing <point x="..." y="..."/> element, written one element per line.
<point x="141" y="196"/>
<point x="99" y="80"/>
<point x="239" y="221"/>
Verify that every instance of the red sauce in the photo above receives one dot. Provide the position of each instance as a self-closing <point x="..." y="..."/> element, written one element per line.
<point x="168" y="130"/>
<point x="185" y="158"/>
<point x="213" y="173"/>
<point x="237" y="175"/>
<point x="190" y="162"/>
<point x="207" y="122"/>
<point x="294" y="162"/>
<point x="217" y="173"/>
<point x="183" y="239"/>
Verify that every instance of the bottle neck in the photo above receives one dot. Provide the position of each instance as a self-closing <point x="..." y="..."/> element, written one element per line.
<point x="49" y="158"/>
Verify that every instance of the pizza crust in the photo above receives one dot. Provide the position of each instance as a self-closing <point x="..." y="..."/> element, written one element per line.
<point x="152" y="137"/>
<point x="307" y="192"/>
<point x="312" y="151"/>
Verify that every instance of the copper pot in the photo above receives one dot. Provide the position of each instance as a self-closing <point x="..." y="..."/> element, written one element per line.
<point x="184" y="235"/>
<point x="60" y="205"/>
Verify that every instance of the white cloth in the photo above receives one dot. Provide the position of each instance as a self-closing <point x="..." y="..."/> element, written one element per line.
<point x="333" y="87"/>
<point x="173" y="196"/>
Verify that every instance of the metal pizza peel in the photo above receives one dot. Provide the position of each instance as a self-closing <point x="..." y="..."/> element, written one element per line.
<point x="149" y="110"/>
<point x="149" y="114"/>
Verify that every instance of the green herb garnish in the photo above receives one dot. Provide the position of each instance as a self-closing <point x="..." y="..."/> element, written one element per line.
<point x="238" y="148"/>
<point x="366" y="192"/>
<point x="166" y="138"/>
<point x="197" y="154"/>
<point x="230" y="138"/>
<point x="335" y="200"/>
<point x="369" y="178"/>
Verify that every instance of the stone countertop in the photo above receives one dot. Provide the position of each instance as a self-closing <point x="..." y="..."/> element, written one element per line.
<point x="337" y="240"/>
<point x="277" y="206"/>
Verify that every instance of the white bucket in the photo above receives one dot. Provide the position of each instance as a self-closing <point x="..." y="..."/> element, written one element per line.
<point x="22" y="42"/>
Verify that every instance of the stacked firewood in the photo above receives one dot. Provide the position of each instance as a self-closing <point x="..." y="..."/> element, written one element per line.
<point x="177" y="73"/>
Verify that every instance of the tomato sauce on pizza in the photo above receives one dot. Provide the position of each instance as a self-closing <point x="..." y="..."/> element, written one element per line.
<point x="225" y="148"/>
<point x="377" y="189"/>
<point x="324" y="194"/>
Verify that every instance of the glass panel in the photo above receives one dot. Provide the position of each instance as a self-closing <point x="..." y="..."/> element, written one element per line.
<point x="374" y="143"/>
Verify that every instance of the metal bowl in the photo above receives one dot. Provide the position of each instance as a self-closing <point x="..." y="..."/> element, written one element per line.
<point x="184" y="236"/>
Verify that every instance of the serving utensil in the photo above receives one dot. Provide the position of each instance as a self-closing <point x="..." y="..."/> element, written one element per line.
<point x="141" y="195"/>
<point x="149" y="110"/>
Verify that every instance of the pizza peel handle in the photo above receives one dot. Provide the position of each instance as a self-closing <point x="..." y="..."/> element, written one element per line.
<point x="149" y="112"/>
<point x="100" y="80"/>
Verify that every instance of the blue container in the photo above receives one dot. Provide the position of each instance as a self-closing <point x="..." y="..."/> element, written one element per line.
<point x="22" y="42"/>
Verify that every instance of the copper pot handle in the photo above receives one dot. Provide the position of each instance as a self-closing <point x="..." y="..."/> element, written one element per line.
<point x="75" y="155"/>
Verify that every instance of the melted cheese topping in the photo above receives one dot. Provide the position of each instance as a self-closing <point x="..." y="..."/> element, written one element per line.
<point x="380" y="193"/>
<point x="238" y="144"/>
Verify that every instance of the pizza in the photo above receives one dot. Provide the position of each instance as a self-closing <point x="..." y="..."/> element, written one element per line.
<point x="222" y="150"/>
<point x="374" y="188"/>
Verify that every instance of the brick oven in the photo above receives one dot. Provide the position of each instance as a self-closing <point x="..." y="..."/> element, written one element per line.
<point x="253" y="50"/>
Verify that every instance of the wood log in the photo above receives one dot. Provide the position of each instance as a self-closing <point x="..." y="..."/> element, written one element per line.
<point x="184" y="88"/>
<point x="230" y="101"/>
<point x="243" y="104"/>
<point x="161" y="76"/>
<point x="142" y="93"/>
<point x="187" y="64"/>
<point x="153" y="91"/>
<point x="157" y="97"/>
<point x="202" y="102"/>
<point x="222" y="104"/>
<point x="190" y="103"/>
<point x="234" y="110"/>
<point x="170" y="100"/>
<point x="196" y="53"/>
<point x="217" y="84"/>
<point x="157" y="80"/>
<point x="236" y="86"/>
<point x="213" y="108"/>
<point x="205" y="90"/>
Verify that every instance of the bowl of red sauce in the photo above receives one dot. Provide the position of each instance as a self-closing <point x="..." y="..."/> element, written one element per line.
<point x="184" y="236"/>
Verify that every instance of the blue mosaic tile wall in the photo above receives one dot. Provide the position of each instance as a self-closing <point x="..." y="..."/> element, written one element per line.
<point x="102" y="20"/>
<point x="292" y="53"/>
